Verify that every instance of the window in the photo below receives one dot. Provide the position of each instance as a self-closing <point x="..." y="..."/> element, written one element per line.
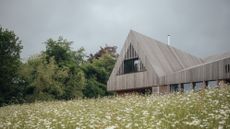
<point x="131" y="65"/>
<point x="198" y="86"/>
<point x="174" y="88"/>
<point x="187" y="87"/>
<point x="212" y="84"/>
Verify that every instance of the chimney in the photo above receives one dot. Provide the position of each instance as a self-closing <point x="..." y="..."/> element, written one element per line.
<point x="168" y="39"/>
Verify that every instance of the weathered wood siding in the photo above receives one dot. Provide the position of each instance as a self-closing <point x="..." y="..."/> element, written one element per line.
<point x="163" y="65"/>
<point x="132" y="81"/>
<point x="208" y="71"/>
<point x="130" y="54"/>
<point x="146" y="78"/>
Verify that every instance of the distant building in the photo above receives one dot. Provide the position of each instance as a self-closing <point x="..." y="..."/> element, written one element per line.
<point x="145" y="64"/>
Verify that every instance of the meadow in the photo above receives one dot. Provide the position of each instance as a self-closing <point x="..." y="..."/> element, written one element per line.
<point x="194" y="110"/>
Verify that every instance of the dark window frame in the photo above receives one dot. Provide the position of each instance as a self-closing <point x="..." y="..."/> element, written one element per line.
<point x="129" y="66"/>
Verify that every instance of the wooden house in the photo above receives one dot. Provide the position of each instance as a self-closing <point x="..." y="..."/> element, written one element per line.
<point x="146" y="64"/>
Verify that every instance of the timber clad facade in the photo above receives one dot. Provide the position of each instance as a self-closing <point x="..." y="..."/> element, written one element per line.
<point x="145" y="63"/>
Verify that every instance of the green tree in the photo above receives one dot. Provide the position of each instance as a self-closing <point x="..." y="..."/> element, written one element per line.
<point x="94" y="89"/>
<point x="97" y="72"/>
<point x="44" y="78"/>
<point x="75" y="85"/>
<point x="66" y="58"/>
<point x="61" y="51"/>
<point x="10" y="48"/>
<point x="111" y="50"/>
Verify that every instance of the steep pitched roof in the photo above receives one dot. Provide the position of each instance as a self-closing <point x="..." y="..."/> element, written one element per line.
<point x="162" y="64"/>
<point x="163" y="58"/>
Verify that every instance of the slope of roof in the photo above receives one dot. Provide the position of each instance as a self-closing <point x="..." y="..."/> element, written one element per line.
<point x="163" y="58"/>
<point x="216" y="57"/>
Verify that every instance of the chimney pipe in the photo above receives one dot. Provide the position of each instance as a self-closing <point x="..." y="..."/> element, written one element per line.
<point x="168" y="39"/>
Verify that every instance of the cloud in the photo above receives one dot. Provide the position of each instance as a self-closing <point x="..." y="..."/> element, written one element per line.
<point x="199" y="27"/>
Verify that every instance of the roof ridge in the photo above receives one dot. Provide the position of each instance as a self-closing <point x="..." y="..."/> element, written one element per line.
<point x="169" y="59"/>
<point x="163" y="43"/>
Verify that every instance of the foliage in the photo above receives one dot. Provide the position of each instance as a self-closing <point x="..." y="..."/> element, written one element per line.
<point x="57" y="73"/>
<point x="111" y="50"/>
<point x="44" y="78"/>
<point x="66" y="58"/>
<point x="61" y="51"/>
<point x="75" y="86"/>
<point x="195" y="110"/>
<point x="54" y="74"/>
<point x="97" y="72"/>
<point x="10" y="48"/>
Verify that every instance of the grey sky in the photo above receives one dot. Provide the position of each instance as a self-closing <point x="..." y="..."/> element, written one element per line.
<point x="200" y="27"/>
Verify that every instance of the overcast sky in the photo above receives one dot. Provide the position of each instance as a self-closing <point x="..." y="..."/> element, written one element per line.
<point x="200" y="27"/>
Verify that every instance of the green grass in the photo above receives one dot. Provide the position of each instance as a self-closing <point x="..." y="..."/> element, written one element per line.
<point x="205" y="109"/>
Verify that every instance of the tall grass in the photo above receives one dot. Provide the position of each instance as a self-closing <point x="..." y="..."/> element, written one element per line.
<point x="204" y="109"/>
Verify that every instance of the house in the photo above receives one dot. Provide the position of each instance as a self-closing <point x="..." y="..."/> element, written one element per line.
<point x="148" y="65"/>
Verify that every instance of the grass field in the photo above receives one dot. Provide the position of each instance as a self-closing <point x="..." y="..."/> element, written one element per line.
<point x="205" y="109"/>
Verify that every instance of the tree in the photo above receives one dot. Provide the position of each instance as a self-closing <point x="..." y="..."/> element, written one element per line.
<point x="66" y="58"/>
<point x="10" y="48"/>
<point x="75" y="86"/>
<point x="97" y="72"/>
<point x="44" y="78"/>
<point x="62" y="53"/>
<point x="94" y="88"/>
<point x="111" y="50"/>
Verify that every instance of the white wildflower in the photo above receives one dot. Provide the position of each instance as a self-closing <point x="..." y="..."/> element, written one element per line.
<point x="145" y="113"/>
<point x="128" y="125"/>
<point x="111" y="127"/>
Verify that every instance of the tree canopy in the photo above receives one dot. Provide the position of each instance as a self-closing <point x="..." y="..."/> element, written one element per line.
<point x="10" y="48"/>
<point x="58" y="72"/>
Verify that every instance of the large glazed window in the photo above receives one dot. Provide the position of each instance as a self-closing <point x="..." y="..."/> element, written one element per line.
<point x="131" y="65"/>
<point x="131" y="62"/>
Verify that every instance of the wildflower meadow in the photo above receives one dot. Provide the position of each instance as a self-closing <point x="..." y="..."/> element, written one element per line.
<point x="194" y="110"/>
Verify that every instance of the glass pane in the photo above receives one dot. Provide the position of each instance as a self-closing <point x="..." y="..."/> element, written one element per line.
<point x="187" y="87"/>
<point x="212" y="84"/>
<point x="130" y="65"/>
<point x="198" y="86"/>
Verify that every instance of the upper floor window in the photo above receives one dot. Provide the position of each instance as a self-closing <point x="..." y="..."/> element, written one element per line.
<point x="131" y="65"/>
<point x="131" y="62"/>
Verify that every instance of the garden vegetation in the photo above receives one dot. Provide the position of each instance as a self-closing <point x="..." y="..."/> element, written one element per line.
<point x="206" y="109"/>
<point x="64" y="88"/>
<point x="57" y="73"/>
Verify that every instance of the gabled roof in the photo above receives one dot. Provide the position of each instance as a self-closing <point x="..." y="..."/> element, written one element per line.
<point x="163" y="64"/>
<point x="163" y="58"/>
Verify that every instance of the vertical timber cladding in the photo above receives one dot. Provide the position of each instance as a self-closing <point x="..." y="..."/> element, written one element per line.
<point x="131" y="63"/>
<point x="160" y="64"/>
<point x="210" y="71"/>
<point x="132" y="72"/>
